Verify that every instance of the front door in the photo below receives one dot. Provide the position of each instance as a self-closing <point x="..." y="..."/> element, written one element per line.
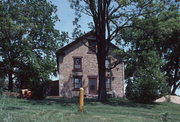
<point x="92" y="86"/>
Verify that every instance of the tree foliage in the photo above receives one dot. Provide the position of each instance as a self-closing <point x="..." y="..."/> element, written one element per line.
<point x="28" y="40"/>
<point x="148" y="81"/>
<point x="169" y="47"/>
<point x="161" y="35"/>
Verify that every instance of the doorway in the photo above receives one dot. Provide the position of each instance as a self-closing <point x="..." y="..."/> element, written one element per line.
<point x="92" y="86"/>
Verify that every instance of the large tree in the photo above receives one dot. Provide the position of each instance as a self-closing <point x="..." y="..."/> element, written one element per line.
<point x="162" y="35"/>
<point x="109" y="18"/>
<point x="168" y="45"/>
<point x="28" y="40"/>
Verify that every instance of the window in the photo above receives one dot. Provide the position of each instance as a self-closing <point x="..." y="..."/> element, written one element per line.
<point x="108" y="83"/>
<point x="77" y="63"/>
<point x="92" y="46"/>
<point x="77" y="82"/>
<point x="107" y="63"/>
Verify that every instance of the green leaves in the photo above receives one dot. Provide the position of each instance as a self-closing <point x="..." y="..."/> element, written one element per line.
<point x="160" y="34"/>
<point x="148" y="81"/>
<point x="28" y="39"/>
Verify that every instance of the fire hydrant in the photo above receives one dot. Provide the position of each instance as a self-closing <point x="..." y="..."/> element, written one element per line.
<point x="81" y="99"/>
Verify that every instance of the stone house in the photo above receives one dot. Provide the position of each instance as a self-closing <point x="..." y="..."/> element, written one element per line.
<point x="77" y="67"/>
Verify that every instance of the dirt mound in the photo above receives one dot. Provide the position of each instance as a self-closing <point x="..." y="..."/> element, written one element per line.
<point x="169" y="98"/>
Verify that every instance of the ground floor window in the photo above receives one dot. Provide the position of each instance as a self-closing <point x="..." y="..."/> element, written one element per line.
<point x="77" y="82"/>
<point x="108" y="83"/>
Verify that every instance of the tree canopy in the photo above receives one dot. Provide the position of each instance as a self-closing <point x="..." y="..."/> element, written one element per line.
<point x="162" y="35"/>
<point x="28" y="40"/>
<point x="148" y="81"/>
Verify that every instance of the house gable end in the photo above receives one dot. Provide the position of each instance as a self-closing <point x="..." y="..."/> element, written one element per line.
<point x="78" y="68"/>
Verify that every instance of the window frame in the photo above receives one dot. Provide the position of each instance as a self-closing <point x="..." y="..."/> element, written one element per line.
<point x="109" y="83"/>
<point x="90" y="77"/>
<point x="80" y="68"/>
<point x="78" y="77"/>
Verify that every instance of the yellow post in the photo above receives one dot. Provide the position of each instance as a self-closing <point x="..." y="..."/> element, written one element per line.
<point x="81" y="99"/>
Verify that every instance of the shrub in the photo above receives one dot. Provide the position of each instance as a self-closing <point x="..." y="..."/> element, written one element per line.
<point x="148" y="82"/>
<point x="39" y="89"/>
<point x="146" y="88"/>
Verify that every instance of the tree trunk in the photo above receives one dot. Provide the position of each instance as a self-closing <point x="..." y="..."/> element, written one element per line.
<point x="100" y="32"/>
<point x="10" y="85"/>
<point x="102" y="95"/>
<point x="174" y="89"/>
<point x="101" y="57"/>
<point x="175" y="78"/>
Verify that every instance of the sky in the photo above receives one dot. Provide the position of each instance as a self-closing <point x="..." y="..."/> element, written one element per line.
<point x="66" y="16"/>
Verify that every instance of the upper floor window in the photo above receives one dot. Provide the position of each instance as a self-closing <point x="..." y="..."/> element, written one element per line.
<point x="108" y="83"/>
<point x="77" y="82"/>
<point x="77" y="63"/>
<point x="92" y="46"/>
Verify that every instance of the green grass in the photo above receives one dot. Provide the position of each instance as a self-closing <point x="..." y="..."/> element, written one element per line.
<point x="66" y="110"/>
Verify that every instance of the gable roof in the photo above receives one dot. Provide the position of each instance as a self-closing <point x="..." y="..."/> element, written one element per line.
<point x="61" y="50"/>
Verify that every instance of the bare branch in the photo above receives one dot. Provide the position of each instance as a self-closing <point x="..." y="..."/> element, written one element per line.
<point x="115" y="10"/>
<point x="114" y="64"/>
<point x="118" y="28"/>
<point x="92" y="7"/>
<point x="108" y="26"/>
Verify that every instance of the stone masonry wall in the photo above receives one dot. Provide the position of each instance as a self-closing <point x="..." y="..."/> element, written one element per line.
<point x="89" y="68"/>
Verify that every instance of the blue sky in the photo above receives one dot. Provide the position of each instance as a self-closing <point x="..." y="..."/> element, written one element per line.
<point x="66" y="16"/>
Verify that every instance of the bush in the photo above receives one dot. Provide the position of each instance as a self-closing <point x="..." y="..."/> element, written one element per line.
<point x="148" y="82"/>
<point x="39" y="90"/>
<point x="146" y="88"/>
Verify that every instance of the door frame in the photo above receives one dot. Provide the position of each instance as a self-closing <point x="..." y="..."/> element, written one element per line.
<point x="92" y="77"/>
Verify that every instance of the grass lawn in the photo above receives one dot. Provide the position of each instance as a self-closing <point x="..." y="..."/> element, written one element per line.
<point x="66" y="110"/>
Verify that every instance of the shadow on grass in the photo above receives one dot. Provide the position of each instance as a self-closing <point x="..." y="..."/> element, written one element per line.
<point x="11" y="108"/>
<point x="127" y="103"/>
<point x="60" y="101"/>
<point x="75" y="101"/>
